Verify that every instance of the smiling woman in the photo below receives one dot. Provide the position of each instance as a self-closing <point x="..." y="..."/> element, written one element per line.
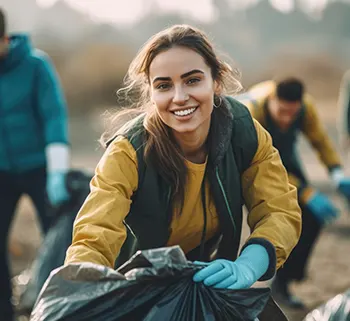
<point x="176" y="174"/>
<point x="183" y="96"/>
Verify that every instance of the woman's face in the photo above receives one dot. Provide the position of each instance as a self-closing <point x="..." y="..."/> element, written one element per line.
<point x="182" y="89"/>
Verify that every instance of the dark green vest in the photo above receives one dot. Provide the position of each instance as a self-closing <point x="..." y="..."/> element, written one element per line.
<point x="233" y="143"/>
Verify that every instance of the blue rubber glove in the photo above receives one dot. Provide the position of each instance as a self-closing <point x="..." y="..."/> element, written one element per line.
<point x="344" y="187"/>
<point x="322" y="208"/>
<point x="249" y="267"/>
<point x="56" y="187"/>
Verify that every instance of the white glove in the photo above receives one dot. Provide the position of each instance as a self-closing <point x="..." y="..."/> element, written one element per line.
<point x="58" y="159"/>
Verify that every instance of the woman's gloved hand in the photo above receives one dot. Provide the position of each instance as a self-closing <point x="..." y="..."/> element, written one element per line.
<point x="56" y="187"/>
<point x="249" y="267"/>
<point x="322" y="208"/>
<point x="57" y="155"/>
<point x="341" y="182"/>
<point x="344" y="187"/>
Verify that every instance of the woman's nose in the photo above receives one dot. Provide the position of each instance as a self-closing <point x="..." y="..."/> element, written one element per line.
<point x="180" y="96"/>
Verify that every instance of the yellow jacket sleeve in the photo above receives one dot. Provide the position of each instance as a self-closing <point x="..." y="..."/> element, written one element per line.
<point x="304" y="191"/>
<point x="99" y="232"/>
<point x="274" y="213"/>
<point x="315" y="133"/>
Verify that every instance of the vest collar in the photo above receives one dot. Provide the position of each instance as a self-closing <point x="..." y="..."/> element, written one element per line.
<point x="220" y="132"/>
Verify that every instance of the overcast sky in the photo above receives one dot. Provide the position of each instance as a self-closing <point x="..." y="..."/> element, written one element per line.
<point x="126" y="12"/>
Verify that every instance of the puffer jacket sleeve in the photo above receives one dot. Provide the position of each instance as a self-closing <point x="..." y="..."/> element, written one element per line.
<point x="99" y="232"/>
<point x="51" y="103"/>
<point x="274" y="215"/>
<point x="305" y="191"/>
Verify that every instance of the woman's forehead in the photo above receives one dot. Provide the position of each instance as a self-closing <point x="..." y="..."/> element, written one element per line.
<point x="175" y="62"/>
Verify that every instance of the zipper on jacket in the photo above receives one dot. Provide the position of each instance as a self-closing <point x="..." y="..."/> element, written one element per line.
<point x="225" y="198"/>
<point x="169" y="211"/>
<point x="204" y="231"/>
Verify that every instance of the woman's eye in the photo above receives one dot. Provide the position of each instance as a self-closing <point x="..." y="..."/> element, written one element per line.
<point x="193" y="80"/>
<point x="163" y="86"/>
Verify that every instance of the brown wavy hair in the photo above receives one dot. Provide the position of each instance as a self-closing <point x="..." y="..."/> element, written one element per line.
<point x="160" y="144"/>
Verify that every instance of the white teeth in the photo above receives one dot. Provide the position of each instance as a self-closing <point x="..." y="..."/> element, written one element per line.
<point x="184" y="112"/>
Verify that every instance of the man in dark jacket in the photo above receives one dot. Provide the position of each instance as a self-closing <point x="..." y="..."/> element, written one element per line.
<point x="34" y="153"/>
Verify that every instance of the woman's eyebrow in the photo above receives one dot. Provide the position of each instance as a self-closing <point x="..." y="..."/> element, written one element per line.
<point x="161" y="79"/>
<point x="186" y="74"/>
<point x="194" y="71"/>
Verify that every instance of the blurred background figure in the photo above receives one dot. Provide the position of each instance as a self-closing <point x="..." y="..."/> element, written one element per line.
<point x="285" y="109"/>
<point x="52" y="252"/>
<point x="93" y="47"/>
<point x="344" y="112"/>
<point x="34" y="153"/>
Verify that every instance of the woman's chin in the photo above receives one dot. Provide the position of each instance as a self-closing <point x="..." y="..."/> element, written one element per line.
<point x="184" y="129"/>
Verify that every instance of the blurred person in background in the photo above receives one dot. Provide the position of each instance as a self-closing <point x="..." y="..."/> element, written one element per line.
<point x="34" y="153"/>
<point x="344" y="112"/>
<point x="179" y="173"/>
<point x="284" y="109"/>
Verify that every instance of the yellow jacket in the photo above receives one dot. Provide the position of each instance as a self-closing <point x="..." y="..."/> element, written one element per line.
<point x="256" y="98"/>
<point x="99" y="232"/>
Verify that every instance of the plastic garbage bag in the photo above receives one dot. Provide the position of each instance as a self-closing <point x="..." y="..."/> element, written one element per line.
<point x="52" y="251"/>
<point x="153" y="285"/>
<point x="335" y="309"/>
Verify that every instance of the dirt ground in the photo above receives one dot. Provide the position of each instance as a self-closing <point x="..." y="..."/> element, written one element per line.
<point x="329" y="269"/>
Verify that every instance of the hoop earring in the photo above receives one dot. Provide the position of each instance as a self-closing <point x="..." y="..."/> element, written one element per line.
<point x="220" y="101"/>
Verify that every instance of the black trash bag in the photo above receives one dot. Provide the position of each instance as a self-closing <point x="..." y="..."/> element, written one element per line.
<point x="153" y="285"/>
<point x="52" y="251"/>
<point x="335" y="309"/>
